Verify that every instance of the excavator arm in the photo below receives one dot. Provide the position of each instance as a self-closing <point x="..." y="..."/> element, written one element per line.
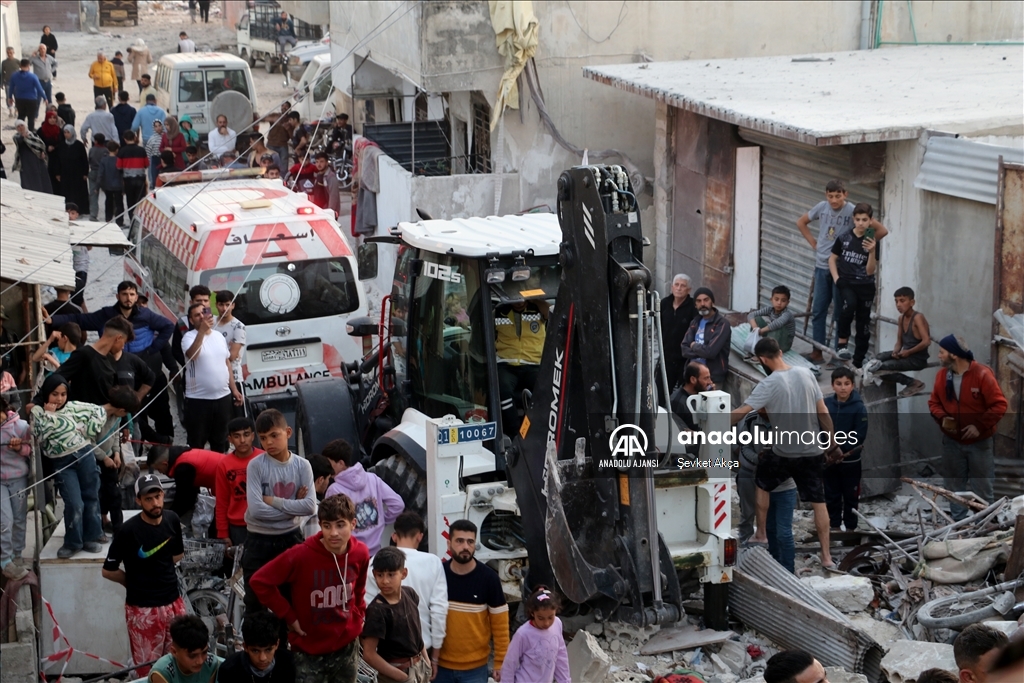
<point x="590" y="526"/>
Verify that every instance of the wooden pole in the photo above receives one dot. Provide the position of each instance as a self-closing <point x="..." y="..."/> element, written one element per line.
<point x="1015" y="564"/>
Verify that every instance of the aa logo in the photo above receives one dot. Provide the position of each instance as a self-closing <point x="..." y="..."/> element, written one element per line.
<point x="628" y="441"/>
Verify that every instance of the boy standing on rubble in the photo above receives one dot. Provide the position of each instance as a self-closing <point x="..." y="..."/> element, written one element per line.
<point x="842" y="478"/>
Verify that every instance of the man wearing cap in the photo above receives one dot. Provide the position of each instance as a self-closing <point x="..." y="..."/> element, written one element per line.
<point x="99" y="120"/>
<point x="148" y="545"/>
<point x="142" y="124"/>
<point x="967" y="403"/>
<point x="707" y="339"/>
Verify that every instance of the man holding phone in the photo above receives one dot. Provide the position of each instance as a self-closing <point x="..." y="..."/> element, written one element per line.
<point x="210" y="391"/>
<point x="853" y="263"/>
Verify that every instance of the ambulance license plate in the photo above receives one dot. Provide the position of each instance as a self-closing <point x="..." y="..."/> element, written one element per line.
<point x="283" y="354"/>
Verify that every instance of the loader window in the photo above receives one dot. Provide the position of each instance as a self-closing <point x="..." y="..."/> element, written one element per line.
<point x="448" y="373"/>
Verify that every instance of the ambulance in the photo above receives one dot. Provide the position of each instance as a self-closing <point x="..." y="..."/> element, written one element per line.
<point x="291" y="267"/>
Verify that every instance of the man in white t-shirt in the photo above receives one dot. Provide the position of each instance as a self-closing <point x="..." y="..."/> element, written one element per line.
<point x="222" y="140"/>
<point x="233" y="330"/>
<point x="426" y="577"/>
<point x="209" y="383"/>
<point x="185" y="44"/>
<point x="802" y="434"/>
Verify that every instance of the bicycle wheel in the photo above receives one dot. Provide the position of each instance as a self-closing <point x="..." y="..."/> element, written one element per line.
<point x="207" y="603"/>
<point x="957" y="611"/>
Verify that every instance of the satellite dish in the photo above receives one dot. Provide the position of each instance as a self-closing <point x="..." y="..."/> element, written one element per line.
<point x="235" y="106"/>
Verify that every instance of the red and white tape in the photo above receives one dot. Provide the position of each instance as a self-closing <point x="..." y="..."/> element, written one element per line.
<point x="67" y="651"/>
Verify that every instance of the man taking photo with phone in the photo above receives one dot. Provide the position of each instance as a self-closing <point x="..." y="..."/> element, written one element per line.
<point x="210" y="391"/>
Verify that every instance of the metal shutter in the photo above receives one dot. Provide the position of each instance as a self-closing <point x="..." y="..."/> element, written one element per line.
<point x="793" y="178"/>
<point x="59" y="16"/>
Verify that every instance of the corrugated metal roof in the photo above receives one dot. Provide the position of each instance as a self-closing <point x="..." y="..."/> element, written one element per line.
<point x="481" y="236"/>
<point x="842" y="97"/>
<point x="98" y="235"/>
<point x="35" y="239"/>
<point x="964" y="168"/>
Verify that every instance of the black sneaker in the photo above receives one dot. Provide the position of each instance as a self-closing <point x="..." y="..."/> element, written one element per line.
<point x="66" y="553"/>
<point x="844" y="353"/>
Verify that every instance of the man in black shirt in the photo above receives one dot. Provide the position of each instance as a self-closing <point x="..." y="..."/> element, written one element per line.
<point x="677" y="312"/>
<point x="92" y="370"/>
<point x="148" y="545"/>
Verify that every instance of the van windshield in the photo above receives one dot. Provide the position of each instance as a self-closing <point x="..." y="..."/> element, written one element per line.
<point x="272" y="293"/>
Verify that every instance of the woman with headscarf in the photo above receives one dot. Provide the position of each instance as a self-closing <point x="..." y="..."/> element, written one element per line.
<point x="173" y="140"/>
<point x="140" y="59"/>
<point x="50" y="133"/>
<point x="30" y="159"/>
<point x="73" y="168"/>
<point x="73" y="436"/>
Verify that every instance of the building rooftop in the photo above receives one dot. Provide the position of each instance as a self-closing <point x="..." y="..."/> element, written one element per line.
<point x="35" y="243"/>
<point x="843" y="97"/>
<point x="474" y="237"/>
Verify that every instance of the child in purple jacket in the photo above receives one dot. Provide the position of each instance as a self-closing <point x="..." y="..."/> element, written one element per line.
<point x="377" y="505"/>
<point x="15" y="449"/>
<point x="537" y="651"/>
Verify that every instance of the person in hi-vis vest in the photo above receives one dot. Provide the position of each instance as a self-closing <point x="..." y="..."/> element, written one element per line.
<point x="519" y="342"/>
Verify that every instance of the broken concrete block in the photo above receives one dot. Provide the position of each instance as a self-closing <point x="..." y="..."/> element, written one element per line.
<point x="884" y="632"/>
<point x="1007" y="627"/>
<point x="627" y="633"/>
<point x="596" y="628"/>
<point x="588" y="663"/>
<point x="19" y="662"/>
<point x="735" y="656"/>
<point x="845" y="593"/>
<point x="720" y="666"/>
<point x="837" y="674"/>
<point x="615" y="645"/>
<point x="906" y="659"/>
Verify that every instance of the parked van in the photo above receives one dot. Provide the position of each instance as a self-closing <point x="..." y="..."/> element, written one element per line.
<point x="205" y="85"/>
<point x="290" y="265"/>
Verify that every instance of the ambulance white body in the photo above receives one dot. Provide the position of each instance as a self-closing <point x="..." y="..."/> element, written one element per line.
<point x="290" y="266"/>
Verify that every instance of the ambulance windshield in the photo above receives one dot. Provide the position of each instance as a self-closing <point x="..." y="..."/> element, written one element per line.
<point x="272" y="293"/>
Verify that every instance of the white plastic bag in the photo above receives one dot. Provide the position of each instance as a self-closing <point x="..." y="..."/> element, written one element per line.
<point x="751" y="342"/>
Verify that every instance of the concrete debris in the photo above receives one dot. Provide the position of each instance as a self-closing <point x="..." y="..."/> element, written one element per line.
<point x="588" y="663"/>
<point x="845" y="593"/>
<point x="19" y="662"/>
<point x="908" y="658"/>
<point x="683" y="638"/>
<point x="1007" y="627"/>
<point x="735" y="656"/>
<point x="627" y="633"/>
<point x="883" y="631"/>
<point x="595" y="628"/>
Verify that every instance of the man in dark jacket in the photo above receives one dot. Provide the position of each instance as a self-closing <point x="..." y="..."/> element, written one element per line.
<point x="152" y="332"/>
<point x="707" y="340"/>
<point x="677" y="312"/>
<point x="124" y="114"/>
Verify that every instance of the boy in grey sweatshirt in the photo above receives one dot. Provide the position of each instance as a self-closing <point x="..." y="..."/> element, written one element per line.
<point x="279" y="493"/>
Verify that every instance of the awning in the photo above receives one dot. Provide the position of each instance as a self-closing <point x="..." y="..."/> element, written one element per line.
<point x="35" y="242"/>
<point x="843" y="98"/>
<point x="98" y="234"/>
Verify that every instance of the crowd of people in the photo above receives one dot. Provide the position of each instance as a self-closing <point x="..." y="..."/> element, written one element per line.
<point x="966" y="401"/>
<point x="126" y="140"/>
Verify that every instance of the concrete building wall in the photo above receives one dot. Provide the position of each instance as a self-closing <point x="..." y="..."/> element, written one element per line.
<point x="951" y="22"/>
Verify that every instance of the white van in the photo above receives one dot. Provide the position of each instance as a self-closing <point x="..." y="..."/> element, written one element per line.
<point x="205" y="85"/>
<point x="310" y="105"/>
<point x="291" y="267"/>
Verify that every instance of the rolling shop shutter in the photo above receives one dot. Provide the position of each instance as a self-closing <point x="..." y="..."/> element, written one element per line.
<point x="59" y="16"/>
<point x="793" y="178"/>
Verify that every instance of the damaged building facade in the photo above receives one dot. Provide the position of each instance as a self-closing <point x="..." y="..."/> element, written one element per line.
<point x="746" y="146"/>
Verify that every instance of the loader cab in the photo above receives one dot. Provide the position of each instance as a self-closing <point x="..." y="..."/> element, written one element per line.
<point x="441" y="343"/>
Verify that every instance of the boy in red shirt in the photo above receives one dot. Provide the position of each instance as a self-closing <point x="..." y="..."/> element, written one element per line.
<point x="326" y="576"/>
<point x="229" y="481"/>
